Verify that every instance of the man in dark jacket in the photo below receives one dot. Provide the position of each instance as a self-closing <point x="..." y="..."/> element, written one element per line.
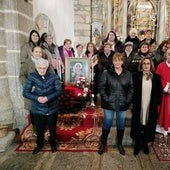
<point x="43" y="89"/>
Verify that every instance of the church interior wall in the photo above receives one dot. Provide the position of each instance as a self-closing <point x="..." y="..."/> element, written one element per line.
<point x="65" y="19"/>
<point x="60" y="13"/>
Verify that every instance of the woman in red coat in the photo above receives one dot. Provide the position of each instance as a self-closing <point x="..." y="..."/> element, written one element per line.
<point x="163" y="70"/>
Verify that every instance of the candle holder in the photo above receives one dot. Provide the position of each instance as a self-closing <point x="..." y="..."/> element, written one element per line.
<point x="92" y="100"/>
<point x="92" y="96"/>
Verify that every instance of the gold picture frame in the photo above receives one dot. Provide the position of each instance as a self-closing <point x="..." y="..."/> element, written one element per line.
<point x="75" y="68"/>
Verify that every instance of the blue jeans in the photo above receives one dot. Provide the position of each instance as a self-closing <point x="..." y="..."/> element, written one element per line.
<point x="109" y="116"/>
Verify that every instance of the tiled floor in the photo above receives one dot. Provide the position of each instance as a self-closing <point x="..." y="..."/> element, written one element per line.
<point x="112" y="160"/>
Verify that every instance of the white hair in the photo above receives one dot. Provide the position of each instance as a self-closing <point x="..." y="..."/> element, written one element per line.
<point x="133" y="30"/>
<point x="41" y="62"/>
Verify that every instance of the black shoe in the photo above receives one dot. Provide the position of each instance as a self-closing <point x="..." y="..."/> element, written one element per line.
<point x="145" y="148"/>
<point x="36" y="150"/>
<point x="53" y="149"/>
<point x="101" y="149"/>
<point x="121" y="149"/>
<point x="136" y="150"/>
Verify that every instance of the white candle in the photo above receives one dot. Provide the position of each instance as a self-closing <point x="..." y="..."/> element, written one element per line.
<point x="59" y="69"/>
<point x="92" y="73"/>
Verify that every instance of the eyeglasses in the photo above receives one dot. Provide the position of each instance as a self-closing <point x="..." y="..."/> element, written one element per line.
<point x="166" y="46"/>
<point x="146" y="63"/>
<point x="41" y="68"/>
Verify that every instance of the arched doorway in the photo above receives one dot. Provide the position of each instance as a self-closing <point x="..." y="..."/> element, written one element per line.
<point x="44" y="24"/>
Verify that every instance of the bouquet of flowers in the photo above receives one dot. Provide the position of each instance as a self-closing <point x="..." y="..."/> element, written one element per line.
<point x="82" y="83"/>
<point x="70" y="102"/>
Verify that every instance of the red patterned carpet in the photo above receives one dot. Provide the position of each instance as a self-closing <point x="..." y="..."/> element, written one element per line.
<point x="161" y="147"/>
<point x="75" y="132"/>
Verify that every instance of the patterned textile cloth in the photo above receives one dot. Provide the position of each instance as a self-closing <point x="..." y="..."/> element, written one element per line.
<point x="161" y="147"/>
<point x="75" y="132"/>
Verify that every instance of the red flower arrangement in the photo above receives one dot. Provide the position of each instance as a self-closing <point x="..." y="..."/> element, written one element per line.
<point x="82" y="83"/>
<point x="71" y="103"/>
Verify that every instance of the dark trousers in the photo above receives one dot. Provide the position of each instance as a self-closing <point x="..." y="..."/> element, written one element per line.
<point x="41" y="122"/>
<point x="141" y="136"/>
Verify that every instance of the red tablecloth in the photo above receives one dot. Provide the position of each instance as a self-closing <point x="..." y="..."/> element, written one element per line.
<point x="73" y="89"/>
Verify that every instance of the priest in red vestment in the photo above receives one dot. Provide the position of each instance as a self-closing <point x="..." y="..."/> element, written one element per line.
<point x="163" y="70"/>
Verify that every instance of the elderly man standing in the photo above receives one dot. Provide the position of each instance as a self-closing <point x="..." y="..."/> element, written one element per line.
<point x="43" y="88"/>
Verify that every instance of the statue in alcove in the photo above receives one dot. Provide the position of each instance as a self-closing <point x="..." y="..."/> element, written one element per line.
<point x="96" y="37"/>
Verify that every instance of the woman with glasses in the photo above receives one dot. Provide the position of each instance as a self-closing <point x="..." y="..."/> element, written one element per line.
<point x="147" y="96"/>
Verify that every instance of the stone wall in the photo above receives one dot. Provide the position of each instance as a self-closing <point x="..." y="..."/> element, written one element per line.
<point x="84" y="17"/>
<point x="82" y="20"/>
<point x="15" y="24"/>
<point x="16" y="21"/>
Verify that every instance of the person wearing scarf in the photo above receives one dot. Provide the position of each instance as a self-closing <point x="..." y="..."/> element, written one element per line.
<point x="52" y="53"/>
<point x="147" y="96"/>
<point x="65" y="51"/>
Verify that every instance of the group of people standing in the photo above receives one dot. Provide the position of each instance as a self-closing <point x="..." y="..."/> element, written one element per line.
<point x="130" y="78"/>
<point x="124" y="76"/>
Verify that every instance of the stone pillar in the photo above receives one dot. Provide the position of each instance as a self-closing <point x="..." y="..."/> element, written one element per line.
<point x="162" y="20"/>
<point x="82" y="22"/>
<point x="109" y="18"/>
<point x="17" y="24"/>
<point x="6" y="108"/>
<point x="124" y="26"/>
<point x="86" y="13"/>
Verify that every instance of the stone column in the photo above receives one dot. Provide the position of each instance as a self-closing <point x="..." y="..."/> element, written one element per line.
<point x="109" y="18"/>
<point x="18" y="22"/>
<point x="162" y="20"/>
<point x="82" y="22"/>
<point x="6" y="107"/>
<point x="124" y="26"/>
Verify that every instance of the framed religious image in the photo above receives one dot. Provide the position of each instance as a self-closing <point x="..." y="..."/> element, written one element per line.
<point x="76" y="68"/>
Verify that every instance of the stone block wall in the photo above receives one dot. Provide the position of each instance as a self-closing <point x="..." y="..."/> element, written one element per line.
<point x="15" y="24"/>
<point x="82" y="22"/>
<point x="84" y="17"/>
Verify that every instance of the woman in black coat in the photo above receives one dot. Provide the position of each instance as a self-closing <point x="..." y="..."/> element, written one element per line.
<point x="116" y="90"/>
<point x="147" y="96"/>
